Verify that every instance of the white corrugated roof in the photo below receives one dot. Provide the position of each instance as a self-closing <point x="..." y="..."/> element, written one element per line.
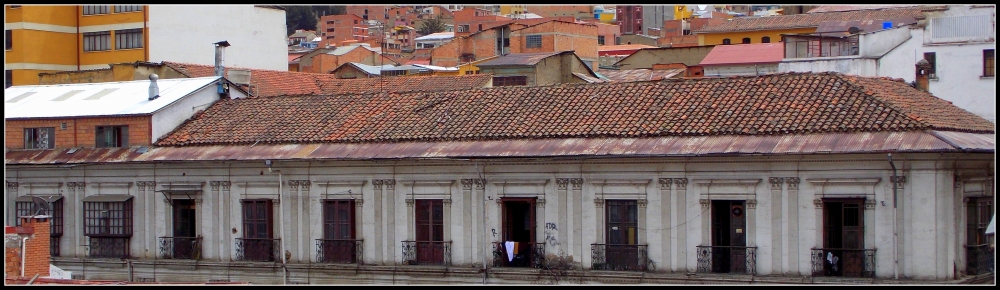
<point x="96" y="99"/>
<point x="436" y="36"/>
<point x="435" y="68"/>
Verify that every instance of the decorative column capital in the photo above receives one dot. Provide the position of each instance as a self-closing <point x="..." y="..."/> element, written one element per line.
<point x="898" y="181"/>
<point x="214" y="184"/>
<point x="390" y="184"/>
<point x="641" y="203"/>
<point x="359" y="202"/>
<point x="869" y="204"/>
<point x="577" y="183"/>
<point x="561" y="183"/>
<point x="13" y="185"/>
<point x="751" y="204"/>
<point x="818" y="203"/>
<point x="467" y="184"/>
<point x="665" y="183"/>
<point x="377" y="183"/>
<point x="598" y="202"/>
<point x="540" y="203"/>
<point x="776" y="182"/>
<point x="480" y="183"/>
<point x="681" y="183"/>
<point x="705" y="203"/>
<point x="409" y="202"/>
<point x="226" y="185"/>
<point x="446" y="202"/>
<point x="793" y="183"/>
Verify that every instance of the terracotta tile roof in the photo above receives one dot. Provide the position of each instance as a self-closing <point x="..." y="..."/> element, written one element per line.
<point x="777" y="104"/>
<point x="642" y="74"/>
<point x="841" y="8"/>
<point x="268" y="83"/>
<point x="521" y="58"/>
<point x="809" y="19"/>
<point x="745" y="54"/>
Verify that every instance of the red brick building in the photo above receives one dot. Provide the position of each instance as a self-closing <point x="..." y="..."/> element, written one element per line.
<point x="336" y="28"/>
<point x="629" y="18"/>
<point x="518" y="36"/>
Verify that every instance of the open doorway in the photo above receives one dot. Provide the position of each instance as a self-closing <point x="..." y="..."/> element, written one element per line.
<point x="843" y="237"/>
<point x="518" y="243"/>
<point x="729" y="237"/>
<point x="185" y="242"/>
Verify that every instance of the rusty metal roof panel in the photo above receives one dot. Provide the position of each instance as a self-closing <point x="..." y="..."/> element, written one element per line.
<point x="914" y="141"/>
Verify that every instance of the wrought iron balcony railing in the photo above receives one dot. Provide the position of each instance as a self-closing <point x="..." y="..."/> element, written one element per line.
<point x="727" y="259"/>
<point x="979" y="259"/>
<point x="619" y="257"/>
<point x="180" y="248"/>
<point x="527" y="255"/>
<point x="853" y="263"/>
<point x="109" y="248"/>
<point x="260" y="250"/>
<point x="427" y="253"/>
<point x="340" y="251"/>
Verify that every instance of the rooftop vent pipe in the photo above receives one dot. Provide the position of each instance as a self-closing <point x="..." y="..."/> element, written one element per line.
<point x="219" y="67"/>
<point x="154" y="90"/>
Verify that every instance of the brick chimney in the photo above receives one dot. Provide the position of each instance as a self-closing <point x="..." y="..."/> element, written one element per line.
<point x="36" y="248"/>
<point x="923" y="75"/>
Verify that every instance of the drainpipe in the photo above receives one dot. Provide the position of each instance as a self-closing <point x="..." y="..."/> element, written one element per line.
<point x="24" y="246"/>
<point x="281" y="233"/>
<point x="895" y="232"/>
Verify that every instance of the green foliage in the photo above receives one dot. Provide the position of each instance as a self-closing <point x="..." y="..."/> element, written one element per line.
<point x="432" y="25"/>
<point x="305" y="17"/>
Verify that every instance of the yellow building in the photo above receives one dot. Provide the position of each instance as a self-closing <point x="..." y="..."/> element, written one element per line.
<point x="682" y="12"/>
<point x="62" y="38"/>
<point x="47" y="38"/>
<point x="513" y="9"/>
<point x="471" y="68"/>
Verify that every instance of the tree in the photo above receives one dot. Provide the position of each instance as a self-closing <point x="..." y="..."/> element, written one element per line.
<point x="432" y="25"/>
<point x="299" y="17"/>
<point x="329" y="10"/>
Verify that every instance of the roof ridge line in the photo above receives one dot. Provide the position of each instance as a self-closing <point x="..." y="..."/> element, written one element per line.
<point x="888" y="104"/>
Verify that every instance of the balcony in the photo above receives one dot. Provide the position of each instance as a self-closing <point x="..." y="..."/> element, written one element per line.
<point x="340" y="251"/>
<point x="427" y="253"/>
<point x="180" y="248"/>
<point x="979" y="259"/>
<point x="259" y="250"/>
<point x="619" y="257"/>
<point x="109" y="248"/>
<point x="727" y="259"/>
<point x="529" y="255"/>
<point x="852" y="263"/>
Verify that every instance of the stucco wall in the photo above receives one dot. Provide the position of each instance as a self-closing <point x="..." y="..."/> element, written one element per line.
<point x="257" y="35"/>
<point x="168" y="118"/>
<point x="646" y="58"/>
<point x="739" y="70"/>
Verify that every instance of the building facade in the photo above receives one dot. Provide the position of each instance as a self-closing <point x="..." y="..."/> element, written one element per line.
<point x="64" y="38"/>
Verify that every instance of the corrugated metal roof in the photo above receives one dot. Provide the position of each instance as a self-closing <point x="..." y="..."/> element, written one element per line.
<point x="745" y="54"/>
<point x="828" y="143"/>
<point x="519" y="59"/>
<point x="121" y="98"/>
<point x="46" y="198"/>
<point x="436" y="36"/>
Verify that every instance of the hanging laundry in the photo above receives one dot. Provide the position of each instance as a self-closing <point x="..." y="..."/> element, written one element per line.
<point x="510" y="250"/>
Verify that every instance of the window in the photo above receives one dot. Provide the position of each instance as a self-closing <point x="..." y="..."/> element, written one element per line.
<point x="979" y="258"/>
<point x="429" y="230"/>
<point x="468" y="72"/>
<point x="533" y="41"/>
<point x="97" y="41"/>
<point x="338" y="244"/>
<point x="8" y="76"/>
<point x="932" y="60"/>
<point x="8" y="39"/>
<point x="128" y="38"/>
<point x="108" y="224"/>
<point x="40" y="138"/>
<point x="843" y="236"/>
<point x="600" y="40"/>
<point x="393" y="73"/>
<point x="127" y="8"/>
<point x="95" y="9"/>
<point x="510" y="81"/>
<point x="989" y="63"/>
<point x="726" y="41"/>
<point x="111" y="136"/>
<point x="25" y="206"/>
<point x="746" y="40"/>
<point x="765" y="39"/>
<point x="257" y="243"/>
<point x="463" y="28"/>
<point x="618" y="40"/>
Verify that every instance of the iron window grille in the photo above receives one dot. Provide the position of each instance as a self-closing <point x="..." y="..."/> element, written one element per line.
<point x="97" y="41"/>
<point x="978" y="256"/>
<point x="55" y="213"/>
<point x="108" y="225"/>
<point x="533" y="41"/>
<point x="111" y="136"/>
<point x="510" y="81"/>
<point x="40" y="138"/>
<point x="128" y="38"/>
<point x="862" y="261"/>
<point x="715" y="259"/>
<point x="127" y="8"/>
<point x="96" y="9"/>
<point x="989" y="62"/>
<point x="258" y="243"/>
<point x="180" y="248"/>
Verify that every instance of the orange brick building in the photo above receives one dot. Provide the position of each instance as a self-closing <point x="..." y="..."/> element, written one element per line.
<point x="542" y="35"/>
<point x="327" y="62"/>
<point x="336" y="28"/>
<point x="35" y="258"/>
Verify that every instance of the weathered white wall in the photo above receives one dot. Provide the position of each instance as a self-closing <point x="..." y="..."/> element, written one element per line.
<point x="187" y="33"/>
<point x="740" y="70"/>
<point x="168" y="118"/>
<point x="851" y="65"/>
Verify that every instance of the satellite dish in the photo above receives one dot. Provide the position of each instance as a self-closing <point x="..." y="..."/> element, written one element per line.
<point x="41" y="205"/>
<point x="853" y="30"/>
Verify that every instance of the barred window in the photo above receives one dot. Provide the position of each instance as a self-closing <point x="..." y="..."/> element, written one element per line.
<point x="25" y="206"/>
<point x="97" y="41"/>
<point x="510" y="81"/>
<point x="40" y="138"/>
<point x="95" y="9"/>
<point x="989" y="62"/>
<point x="128" y="38"/>
<point x="532" y="41"/>
<point x="107" y="218"/>
<point x="127" y="8"/>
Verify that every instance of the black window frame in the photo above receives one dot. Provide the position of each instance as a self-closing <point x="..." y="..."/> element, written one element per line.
<point x="600" y="40"/>
<point x="765" y="39"/>
<point x="129" y="38"/>
<point x="96" y="9"/>
<point x="97" y="41"/>
<point x="56" y="220"/>
<point x="8" y="39"/>
<point x="978" y="211"/>
<point x="506" y="81"/>
<point x="533" y="41"/>
<point x="989" y="63"/>
<point x="429" y="220"/>
<point x="746" y="40"/>
<point x="120" y="139"/>
<point x="31" y="136"/>
<point x="931" y="58"/>
<point x="108" y="219"/>
<point x="127" y="8"/>
<point x="8" y="76"/>
<point x="726" y="41"/>
<point x="338" y="219"/>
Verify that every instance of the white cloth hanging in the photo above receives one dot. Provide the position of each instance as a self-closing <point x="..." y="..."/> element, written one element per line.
<point x="510" y="250"/>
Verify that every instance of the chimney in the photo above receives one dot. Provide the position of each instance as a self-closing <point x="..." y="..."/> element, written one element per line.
<point x="154" y="90"/>
<point x="923" y="73"/>
<point x="29" y="255"/>
<point x="219" y="66"/>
